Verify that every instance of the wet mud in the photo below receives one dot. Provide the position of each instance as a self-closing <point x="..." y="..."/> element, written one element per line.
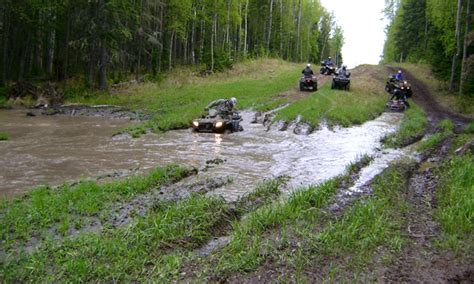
<point x="51" y="150"/>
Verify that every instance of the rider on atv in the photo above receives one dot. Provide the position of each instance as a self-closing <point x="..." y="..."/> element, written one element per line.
<point x="307" y="71"/>
<point x="399" y="95"/>
<point x="342" y="72"/>
<point x="328" y="62"/>
<point x="222" y="107"/>
<point x="399" y="76"/>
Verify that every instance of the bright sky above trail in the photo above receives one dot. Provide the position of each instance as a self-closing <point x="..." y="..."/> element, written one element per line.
<point x="363" y="29"/>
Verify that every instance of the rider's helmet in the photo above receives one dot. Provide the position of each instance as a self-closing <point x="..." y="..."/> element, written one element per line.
<point x="399" y="71"/>
<point x="308" y="65"/>
<point x="344" y="67"/>
<point x="233" y="101"/>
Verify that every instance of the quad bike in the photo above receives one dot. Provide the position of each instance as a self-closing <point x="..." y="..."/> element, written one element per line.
<point x="341" y="81"/>
<point x="218" y="123"/>
<point x="327" y="69"/>
<point x="308" y="83"/>
<point x="394" y="84"/>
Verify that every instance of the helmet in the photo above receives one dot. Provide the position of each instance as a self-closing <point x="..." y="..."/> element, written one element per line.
<point x="344" y="67"/>
<point x="399" y="71"/>
<point x="308" y="65"/>
<point x="233" y="101"/>
<point x="329" y="57"/>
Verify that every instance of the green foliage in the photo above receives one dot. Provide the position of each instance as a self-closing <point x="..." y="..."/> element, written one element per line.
<point x="45" y="206"/>
<point x="424" y="31"/>
<point x="4" y="136"/>
<point x="337" y="107"/>
<point x="455" y="196"/>
<point x="445" y="129"/>
<point x="412" y="128"/>
<point x="137" y="37"/>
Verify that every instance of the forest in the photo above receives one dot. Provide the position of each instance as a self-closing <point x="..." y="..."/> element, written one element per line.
<point x="437" y="32"/>
<point x="104" y="41"/>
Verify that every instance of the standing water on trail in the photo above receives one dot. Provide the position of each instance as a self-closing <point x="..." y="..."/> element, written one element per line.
<point x="51" y="150"/>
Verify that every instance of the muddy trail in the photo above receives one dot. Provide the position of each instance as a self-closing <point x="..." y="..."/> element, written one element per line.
<point x="423" y="97"/>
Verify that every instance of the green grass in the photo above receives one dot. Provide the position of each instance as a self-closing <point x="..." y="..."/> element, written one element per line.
<point x="128" y="254"/>
<point x="154" y="246"/>
<point x="445" y="129"/>
<point x="45" y="207"/>
<point x="183" y="96"/>
<point x="455" y="196"/>
<point x="250" y="243"/>
<point x="4" y="136"/>
<point x="412" y="128"/>
<point x="336" y="107"/>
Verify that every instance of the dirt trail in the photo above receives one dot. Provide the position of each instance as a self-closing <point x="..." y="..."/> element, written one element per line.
<point x="423" y="97"/>
<point x="421" y="260"/>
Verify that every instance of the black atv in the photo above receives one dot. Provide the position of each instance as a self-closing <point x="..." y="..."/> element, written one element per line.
<point x="214" y="122"/>
<point x="308" y="82"/>
<point x="394" y="84"/>
<point x="341" y="81"/>
<point x="327" y="69"/>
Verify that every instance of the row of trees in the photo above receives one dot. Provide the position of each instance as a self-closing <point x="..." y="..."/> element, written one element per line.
<point x="57" y="39"/>
<point x="438" y="32"/>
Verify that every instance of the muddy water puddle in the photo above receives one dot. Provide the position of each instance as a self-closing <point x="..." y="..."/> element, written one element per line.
<point x="51" y="150"/>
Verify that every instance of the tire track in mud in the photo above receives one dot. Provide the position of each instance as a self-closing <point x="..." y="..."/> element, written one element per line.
<point x="420" y="259"/>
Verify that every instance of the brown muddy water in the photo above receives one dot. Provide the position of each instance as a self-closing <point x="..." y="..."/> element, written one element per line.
<point x="55" y="149"/>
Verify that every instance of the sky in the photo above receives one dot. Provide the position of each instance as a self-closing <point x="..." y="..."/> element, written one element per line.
<point x="363" y="29"/>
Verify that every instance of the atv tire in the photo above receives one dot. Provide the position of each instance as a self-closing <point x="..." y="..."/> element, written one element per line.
<point x="301" y="87"/>
<point x="333" y="85"/>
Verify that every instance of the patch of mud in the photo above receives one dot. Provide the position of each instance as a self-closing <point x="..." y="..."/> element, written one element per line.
<point x="212" y="245"/>
<point x="108" y="111"/>
<point x="124" y="212"/>
<point x="421" y="260"/>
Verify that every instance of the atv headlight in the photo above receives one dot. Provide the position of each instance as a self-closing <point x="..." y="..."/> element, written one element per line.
<point x="195" y="123"/>
<point x="219" y="124"/>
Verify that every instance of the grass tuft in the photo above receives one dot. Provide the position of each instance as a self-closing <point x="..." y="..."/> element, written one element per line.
<point x="412" y="128"/>
<point x="455" y="195"/>
<point x="4" y="136"/>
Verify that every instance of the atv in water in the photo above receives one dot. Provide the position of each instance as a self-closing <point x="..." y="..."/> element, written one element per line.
<point x="327" y="69"/>
<point x="308" y="83"/>
<point x="214" y="122"/>
<point x="394" y="84"/>
<point x="341" y="81"/>
<point x="395" y="106"/>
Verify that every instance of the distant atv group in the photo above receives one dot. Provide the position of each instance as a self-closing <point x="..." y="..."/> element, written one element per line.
<point x="400" y="90"/>
<point x="341" y="77"/>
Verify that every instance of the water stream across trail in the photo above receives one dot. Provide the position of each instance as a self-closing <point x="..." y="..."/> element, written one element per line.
<point x="55" y="149"/>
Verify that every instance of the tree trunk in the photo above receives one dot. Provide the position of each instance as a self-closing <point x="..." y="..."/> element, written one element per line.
<point x="465" y="64"/>
<point x="298" y="36"/>
<point x="170" y="58"/>
<point x="50" y="53"/>
<point x="103" y="67"/>
<point x="246" y="27"/>
<point x="458" y="47"/>
<point x="5" y="32"/>
<point x="269" y="37"/>
<point x="281" y="28"/>
<point x="213" y="34"/>
<point x="227" y="28"/>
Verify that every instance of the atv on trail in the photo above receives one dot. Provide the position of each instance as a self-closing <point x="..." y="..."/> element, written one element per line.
<point x="327" y="69"/>
<point x="395" y="106"/>
<point x="341" y="81"/>
<point x="394" y="84"/>
<point x="308" y="83"/>
<point x="215" y="122"/>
